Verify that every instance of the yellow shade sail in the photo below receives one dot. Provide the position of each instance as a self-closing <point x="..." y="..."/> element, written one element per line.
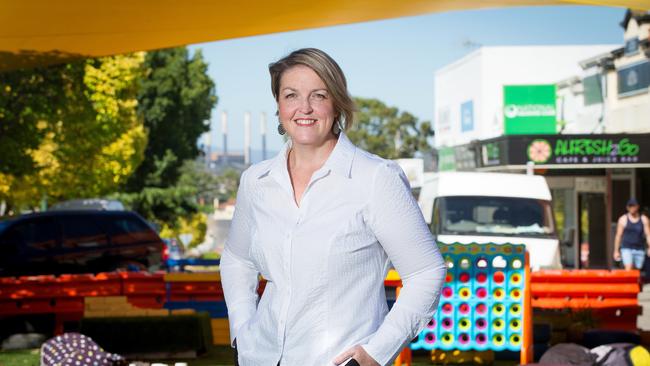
<point x="37" y="32"/>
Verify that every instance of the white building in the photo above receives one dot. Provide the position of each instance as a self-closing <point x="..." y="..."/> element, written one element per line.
<point x="474" y="84"/>
<point x="610" y="94"/>
<point x="593" y="145"/>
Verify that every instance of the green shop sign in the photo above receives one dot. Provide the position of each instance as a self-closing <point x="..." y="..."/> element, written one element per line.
<point x="580" y="149"/>
<point x="529" y="109"/>
<point x="446" y="159"/>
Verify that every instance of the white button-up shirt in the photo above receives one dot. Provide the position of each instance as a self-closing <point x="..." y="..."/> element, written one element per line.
<point x="325" y="262"/>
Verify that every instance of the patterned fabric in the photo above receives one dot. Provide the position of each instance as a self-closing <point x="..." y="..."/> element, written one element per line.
<point x="74" y="349"/>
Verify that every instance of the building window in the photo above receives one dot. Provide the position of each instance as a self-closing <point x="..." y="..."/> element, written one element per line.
<point x="631" y="46"/>
<point x="633" y="79"/>
<point x="593" y="89"/>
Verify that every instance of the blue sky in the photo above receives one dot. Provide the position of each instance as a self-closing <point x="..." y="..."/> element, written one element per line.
<point x="392" y="60"/>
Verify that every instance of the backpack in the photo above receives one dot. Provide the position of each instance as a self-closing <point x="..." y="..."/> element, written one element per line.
<point x="569" y="354"/>
<point x="74" y="349"/>
<point x="621" y="354"/>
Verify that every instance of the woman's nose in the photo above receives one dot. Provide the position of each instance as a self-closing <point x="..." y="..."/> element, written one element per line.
<point x="305" y="105"/>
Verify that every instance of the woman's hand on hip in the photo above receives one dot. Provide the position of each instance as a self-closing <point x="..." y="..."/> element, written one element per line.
<point x="359" y="354"/>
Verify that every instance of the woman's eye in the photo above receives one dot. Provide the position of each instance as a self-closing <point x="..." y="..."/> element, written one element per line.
<point x="320" y="96"/>
<point x="290" y="95"/>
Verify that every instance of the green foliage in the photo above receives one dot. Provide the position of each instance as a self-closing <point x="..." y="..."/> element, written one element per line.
<point x="74" y="129"/>
<point x="175" y="99"/>
<point x="174" y="206"/>
<point x="197" y="225"/>
<point x="95" y="126"/>
<point x="160" y="205"/>
<point x="228" y="183"/>
<point x="28" y="97"/>
<point x="387" y="132"/>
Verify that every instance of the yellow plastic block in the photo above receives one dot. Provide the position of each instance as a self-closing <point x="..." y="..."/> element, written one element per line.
<point x="182" y="311"/>
<point x="462" y="357"/>
<point x="220" y="331"/>
<point x="157" y="312"/>
<point x="392" y="275"/>
<point x="115" y="300"/>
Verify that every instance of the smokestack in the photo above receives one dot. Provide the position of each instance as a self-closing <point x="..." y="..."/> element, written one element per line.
<point x="263" y="133"/>
<point x="224" y="131"/>
<point x="247" y="138"/>
<point x="208" y="144"/>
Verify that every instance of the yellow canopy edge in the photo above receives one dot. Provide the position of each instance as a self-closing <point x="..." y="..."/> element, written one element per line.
<point x="41" y="32"/>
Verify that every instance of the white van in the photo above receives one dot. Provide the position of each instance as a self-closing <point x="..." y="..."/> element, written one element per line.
<point x="472" y="207"/>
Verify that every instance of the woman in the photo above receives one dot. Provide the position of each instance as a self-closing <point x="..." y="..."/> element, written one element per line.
<point x="321" y="222"/>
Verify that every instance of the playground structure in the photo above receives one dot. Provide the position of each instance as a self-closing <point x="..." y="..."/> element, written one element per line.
<point x="486" y="302"/>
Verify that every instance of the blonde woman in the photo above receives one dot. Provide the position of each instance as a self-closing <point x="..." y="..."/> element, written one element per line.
<point x="322" y="222"/>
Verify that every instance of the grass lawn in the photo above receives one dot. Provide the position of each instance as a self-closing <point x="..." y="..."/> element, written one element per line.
<point x="20" y="358"/>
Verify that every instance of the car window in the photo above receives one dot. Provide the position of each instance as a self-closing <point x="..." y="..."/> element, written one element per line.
<point x="128" y="229"/>
<point x="11" y="241"/>
<point x="36" y="236"/>
<point x="83" y="232"/>
<point x="3" y="225"/>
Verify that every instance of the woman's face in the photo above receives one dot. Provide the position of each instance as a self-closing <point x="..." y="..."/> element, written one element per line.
<point x="305" y="106"/>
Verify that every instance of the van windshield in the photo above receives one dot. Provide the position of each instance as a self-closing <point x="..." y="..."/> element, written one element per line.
<point x="506" y="216"/>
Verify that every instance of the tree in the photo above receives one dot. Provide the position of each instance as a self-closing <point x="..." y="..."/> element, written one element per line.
<point x="28" y="98"/>
<point x="89" y="138"/>
<point x="175" y="100"/>
<point x="387" y="132"/>
<point x="169" y="206"/>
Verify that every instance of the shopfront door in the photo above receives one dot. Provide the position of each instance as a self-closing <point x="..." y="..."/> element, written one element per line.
<point x="592" y="230"/>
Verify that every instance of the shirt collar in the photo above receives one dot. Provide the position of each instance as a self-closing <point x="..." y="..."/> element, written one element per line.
<point x="339" y="161"/>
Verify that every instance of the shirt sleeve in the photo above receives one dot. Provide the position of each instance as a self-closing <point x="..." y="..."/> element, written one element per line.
<point x="239" y="276"/>
<point x="398" y="224"/>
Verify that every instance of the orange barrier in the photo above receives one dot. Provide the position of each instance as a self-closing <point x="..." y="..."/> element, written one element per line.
<point x="611" y="296"/>
<point x="64" y="296"/>
<point x="585" y="276"/>
<point x="144" y="290"/>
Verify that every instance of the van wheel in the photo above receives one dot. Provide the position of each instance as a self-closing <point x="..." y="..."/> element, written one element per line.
<point x="129" y="266"/>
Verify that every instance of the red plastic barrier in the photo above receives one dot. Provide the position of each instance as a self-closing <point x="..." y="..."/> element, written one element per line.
<point x="610" y="296"/>
<point x="585" y="288"/>
<point x="41" y="306"/>
<point x="585" y="276"/>
<point x="82" y="285"/>
<point x="143" y="284"/>
<point x="195" y="291"/>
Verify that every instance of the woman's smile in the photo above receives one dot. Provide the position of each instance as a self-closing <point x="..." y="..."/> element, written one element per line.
<point x="305" y="122"/>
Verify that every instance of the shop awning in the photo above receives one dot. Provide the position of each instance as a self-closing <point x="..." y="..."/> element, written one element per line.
<point x="38" y="32"/>
<point x="579" y="151"/>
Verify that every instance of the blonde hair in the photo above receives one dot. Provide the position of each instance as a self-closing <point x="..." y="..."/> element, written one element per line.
<point x="328" y="70"/>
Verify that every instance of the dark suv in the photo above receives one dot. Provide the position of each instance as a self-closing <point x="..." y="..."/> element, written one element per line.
<point x="77" y="242"/>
